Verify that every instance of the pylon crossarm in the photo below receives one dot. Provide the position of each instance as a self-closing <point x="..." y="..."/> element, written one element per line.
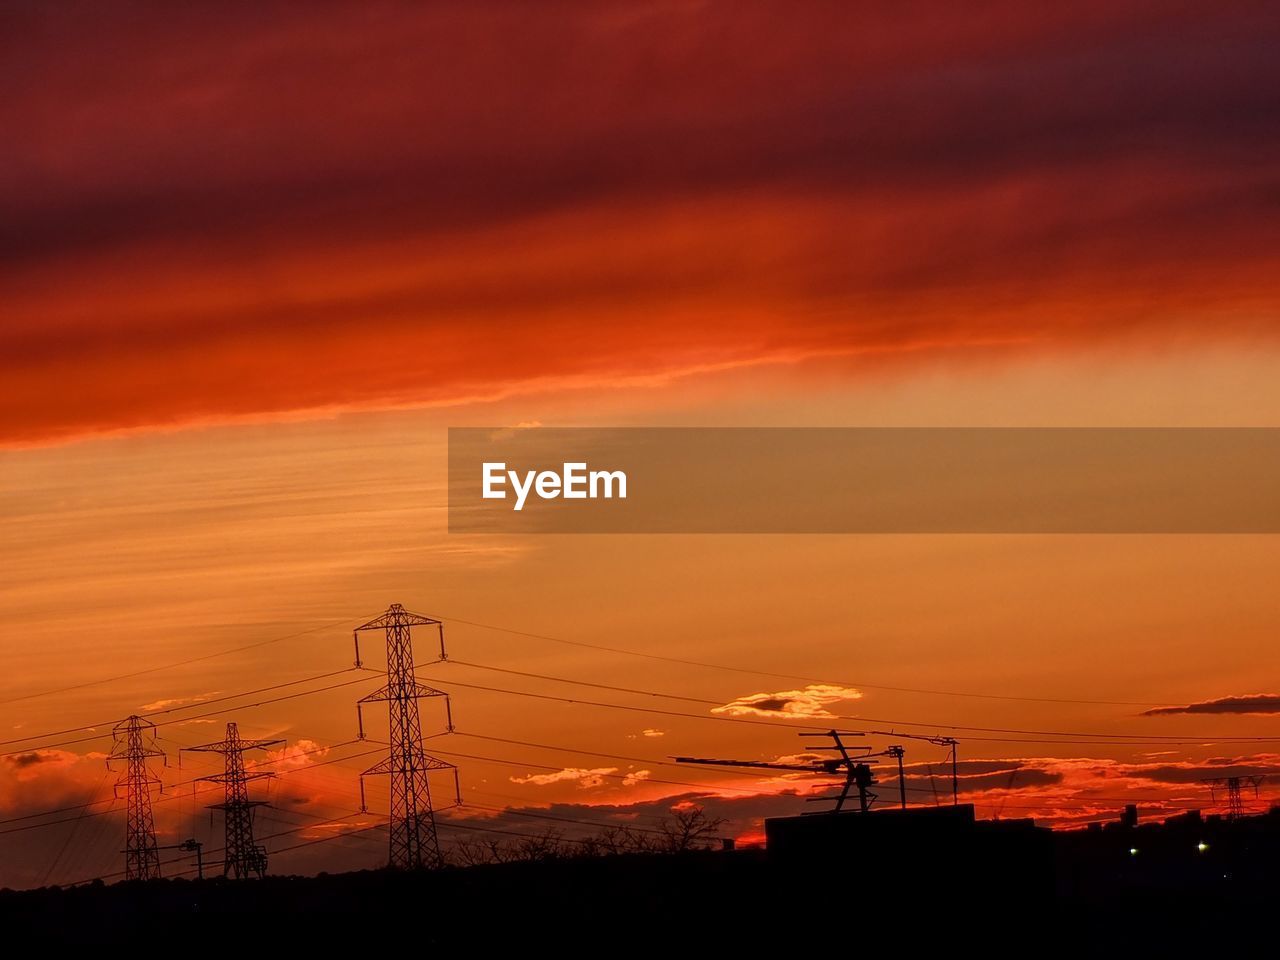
<point x="418" y="691"/>
<point x="383" y="766"/>
<point x="423" y="762"/>
<point x="397" y="616"/>
<point x="435" y="763"/>
<point x="239" y="805"/>
<point x="234" y="778"/>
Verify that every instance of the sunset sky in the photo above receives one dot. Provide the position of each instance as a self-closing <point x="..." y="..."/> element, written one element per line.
<point x="256" y="262"/>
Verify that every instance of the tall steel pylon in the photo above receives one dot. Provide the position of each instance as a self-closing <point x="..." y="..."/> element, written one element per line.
<point x="244" y="858"/>
<point x="134" y="745"/>
<point x="414" y="843"/>
<point x="1234" y="787"/>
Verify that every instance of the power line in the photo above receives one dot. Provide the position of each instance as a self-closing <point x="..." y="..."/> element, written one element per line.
<point x="175" y="664"/>
<point x="548" y="746"/>
<point x="1079" y="801"/>
<point x="282" y="833"/>
<point x="622" y="706"/>
<point x="174" y="797"/>
<point x="797" y="677"/>
<point x="324" y="821"/>
<point x="160" y="712"/>
<point x="71" y="835"/>
<point x="596" y="824"/>
<point x="1101" y="739"/>
<point x="455" y="825"/>
<point x="514" y="803"/>
<point x="191" y="706"/>
<point x="180" y="783"/>
<point x="610" y="776"/>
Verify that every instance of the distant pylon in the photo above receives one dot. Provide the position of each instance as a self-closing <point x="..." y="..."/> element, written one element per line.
<point x="134" y="744"/>
<point x="243" y="858"/>
<point x="1234" y="790"/>
<point x="414" y="843"/>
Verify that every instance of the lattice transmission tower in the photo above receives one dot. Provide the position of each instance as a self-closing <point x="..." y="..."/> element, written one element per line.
<point x="1234" y="789"/>
<point x="244" y="858"/>
<point x="414" y="843"/>
<point x="134" y="745"/>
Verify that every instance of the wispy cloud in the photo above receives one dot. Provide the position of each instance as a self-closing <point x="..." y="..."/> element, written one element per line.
<point x="807" y="704"/>
<point x="585" y="778"/>
<point x="178" y="701"/>
<point x="294" y="755"/>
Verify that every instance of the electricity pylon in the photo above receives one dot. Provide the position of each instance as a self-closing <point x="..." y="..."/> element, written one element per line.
<point x="244" y="858"/>
<point x="134" y="745"/>
<point x="414" y="843"/>
<point x="1234" y="789"/>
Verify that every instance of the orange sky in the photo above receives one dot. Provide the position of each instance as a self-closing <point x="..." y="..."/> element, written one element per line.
<point x="212" y="215"/>
<point x="254" y="267"/>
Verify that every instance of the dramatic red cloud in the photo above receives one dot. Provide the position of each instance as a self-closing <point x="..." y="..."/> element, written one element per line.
<point x="1054" y="791"/>
<point x="212" y="213"/>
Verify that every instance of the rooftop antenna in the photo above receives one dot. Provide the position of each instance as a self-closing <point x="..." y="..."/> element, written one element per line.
<point x="855" y="767"/>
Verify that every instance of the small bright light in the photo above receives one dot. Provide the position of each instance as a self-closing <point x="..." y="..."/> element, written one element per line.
<point x="1133" y="851"/>
<point x="1202" y="846"/>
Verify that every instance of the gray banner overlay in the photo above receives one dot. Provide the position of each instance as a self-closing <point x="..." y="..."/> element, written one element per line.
<point x="859" y="480"/>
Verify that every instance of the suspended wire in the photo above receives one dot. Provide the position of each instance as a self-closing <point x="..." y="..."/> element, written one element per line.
<point x="1095" y="738"/>
<point x="609" y="776"/>
<point x="174" y="797"/>
<point x="891" y="784"/>
<point x="595" y="824"/>
<point x="1113" y="739"/>
<point x="183" y="859"/>
<point x="179" y="714"/>
<point x="791" y="676"/>
<point x="71" y="834"/>
<point x="214" y="850"/>
<point x="573" y="750"/>
<point x="1048" y="803"/>
<point x="514" y="803"/>
<point x="177" y="663"/>
<point x="191" y="706"/>
<point x="1101" y="739"/>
